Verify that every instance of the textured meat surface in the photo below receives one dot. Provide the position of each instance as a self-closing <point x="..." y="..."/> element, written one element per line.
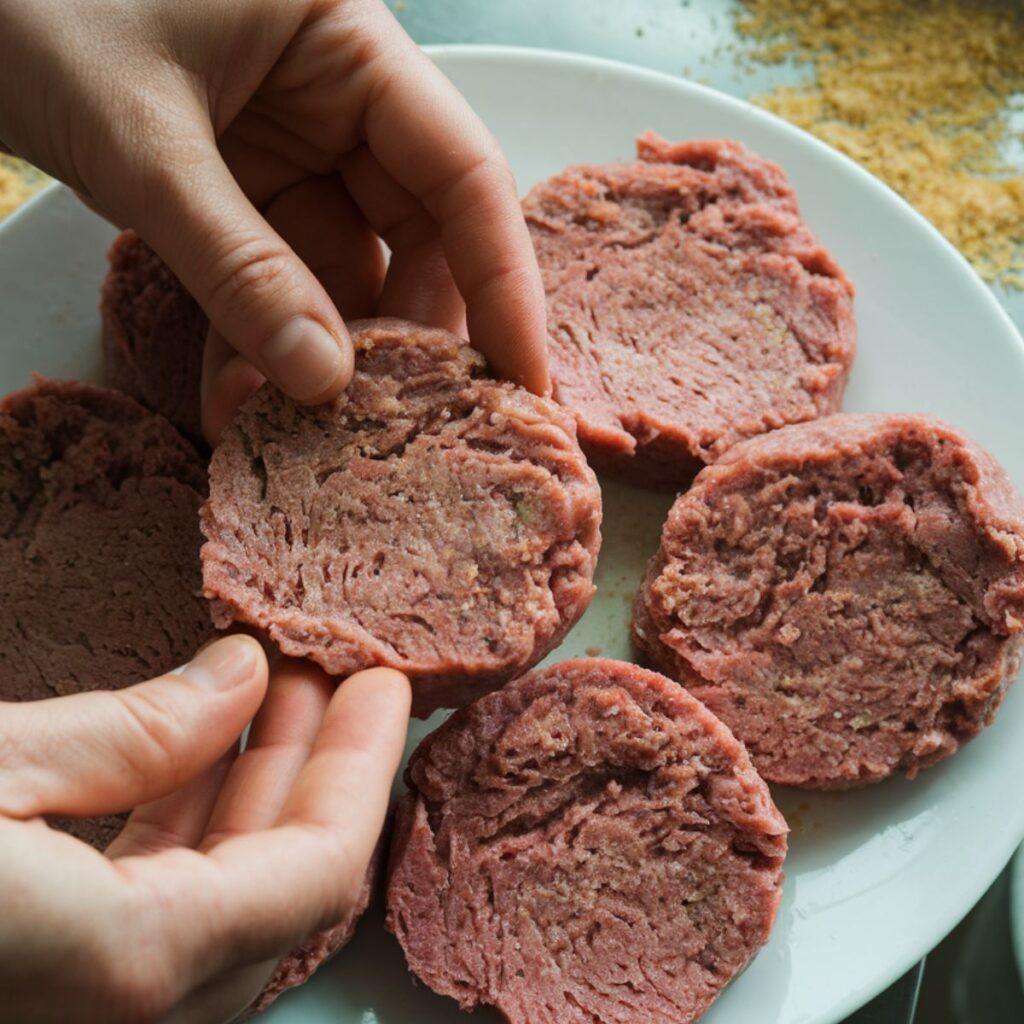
<point x="99" y="538"/>
<point x="848" y="595"/>
<point x="99" y="544"/>
<point x="689" y="307"/>
<point x="98" y="832"/>
<point x="153" y="334"/>
<point x="431" y="519"/>
<point x="587" y="844"/>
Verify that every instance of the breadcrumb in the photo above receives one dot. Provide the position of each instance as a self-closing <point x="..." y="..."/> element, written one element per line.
<point x="18" y="181"/>
<point x="922" y="94"/>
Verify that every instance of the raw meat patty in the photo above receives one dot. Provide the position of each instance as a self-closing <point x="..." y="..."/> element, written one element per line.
<point x="587" y="844"/>
<point x="99" y="545"/>
<point x="431" y="519"/>
<point x="689" y="306"/>
<point x="847" y="595"/>
<point x="153" y="335"/>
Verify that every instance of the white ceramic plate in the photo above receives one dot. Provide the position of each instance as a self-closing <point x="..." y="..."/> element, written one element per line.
<point x="874" y="878"/>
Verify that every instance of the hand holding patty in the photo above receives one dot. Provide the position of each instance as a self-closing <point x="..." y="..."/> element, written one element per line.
<point x="227" y="862"/>
<point x="264" y="150"/>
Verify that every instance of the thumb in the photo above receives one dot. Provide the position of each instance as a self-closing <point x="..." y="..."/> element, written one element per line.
<point x="255" y="290"/>
<point x="107" y="751"/>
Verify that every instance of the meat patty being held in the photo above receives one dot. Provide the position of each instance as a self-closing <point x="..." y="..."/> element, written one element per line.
<point x="431" y="519"/>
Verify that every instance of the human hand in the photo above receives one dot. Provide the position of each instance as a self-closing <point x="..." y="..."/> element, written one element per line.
<point x="259" y="146"/>
<point x="227" y="863"/>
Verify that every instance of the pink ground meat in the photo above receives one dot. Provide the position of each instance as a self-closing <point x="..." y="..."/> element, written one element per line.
<point x="689" y="307"/>
<point x="587" y="844"/>
<point x="847" y="595"/>
<point x="431" y="519"/>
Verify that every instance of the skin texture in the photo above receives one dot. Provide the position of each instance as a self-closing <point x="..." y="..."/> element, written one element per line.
<point x="284" y="141"/>
<point x="431" y="519"/>
<point x="847" y="595"/>
<point x="587" y="844"/>
<point x="228" y="861"/>
<point x="689" y="306"/>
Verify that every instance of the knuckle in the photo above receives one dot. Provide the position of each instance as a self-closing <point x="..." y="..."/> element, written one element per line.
<point x="496" y="174"/>
<point x="160" y="737"/>
<point x="487" y="179"/>
<point x="415" y="232"/>
<point x="244" y="275"/>
<point x="499" y="169"/>
<point x="513" y="279"/>
<point x="364" y="50"/>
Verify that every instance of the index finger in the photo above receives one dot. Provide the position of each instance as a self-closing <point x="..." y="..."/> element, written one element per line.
<point x="429" y="139"/>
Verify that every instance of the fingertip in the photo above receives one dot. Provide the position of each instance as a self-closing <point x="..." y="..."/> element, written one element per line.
<point x="303" y="671"/>
<point x="389" y="678"/>
<point x="227" y="384"/>
<point x="251" y="650"/>
<point x="524" y="365"/>
<point x="231" y="662"/>
<point x="388" y="689"/>
<point x="344" y="370"/>
<point x="308" y="361"/>
<point x="537" y="379"/>
<point x="507" y="320"/>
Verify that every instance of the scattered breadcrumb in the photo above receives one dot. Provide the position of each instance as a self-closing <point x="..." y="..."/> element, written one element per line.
<point x="18" y="181"/>
<point x="922" y="94"/>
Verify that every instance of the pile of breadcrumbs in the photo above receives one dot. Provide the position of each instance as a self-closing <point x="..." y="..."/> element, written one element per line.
<point x="921" y="92"/>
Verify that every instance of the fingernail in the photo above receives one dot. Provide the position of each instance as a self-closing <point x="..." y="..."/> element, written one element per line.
<point x="224" y="664"/>
<point x="303" y="358"/>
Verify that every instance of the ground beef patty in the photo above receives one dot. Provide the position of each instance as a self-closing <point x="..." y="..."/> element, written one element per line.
<point x="99" y="544"/>
<point x="431" y="519"/>
<point x="848" y="595"/>
<point x="587" y="844"/>
<point x="689" y="306"/>
<point x="153" y="334"/>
